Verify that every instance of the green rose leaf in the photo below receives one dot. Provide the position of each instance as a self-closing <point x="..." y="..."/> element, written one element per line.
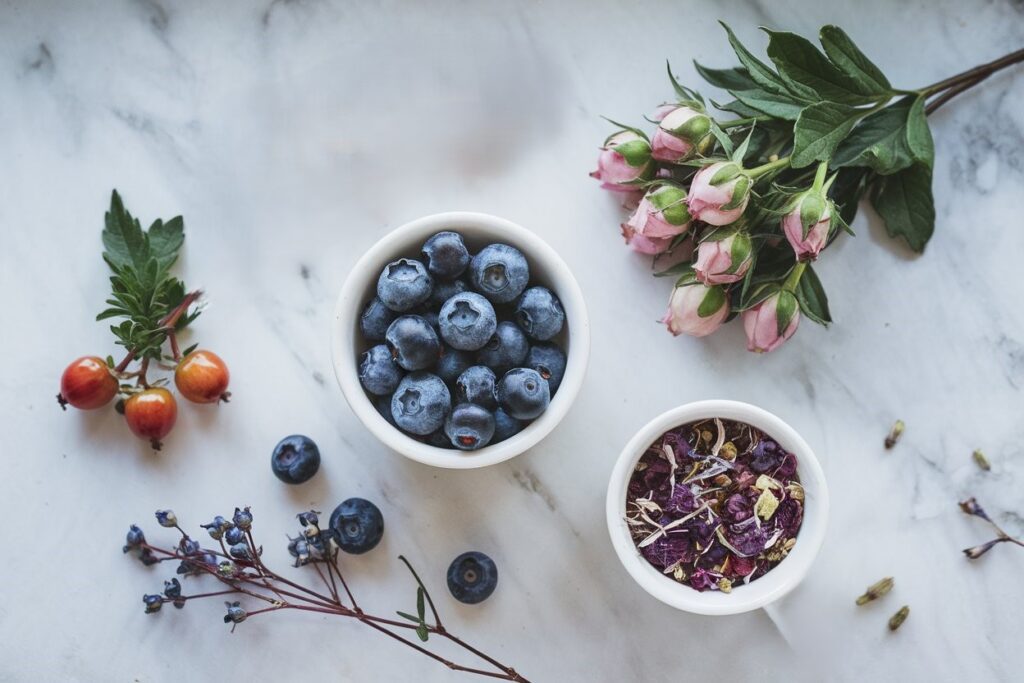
<point x="852" y="62"/>
<point x="712" y="302"/>
<point x="811" y="297"/>
<point x="809" y="73"/>
<point x="819" y="130"/>
<point x="760" y="72"/>
<point x="736" y="78"/>
<point x="783" y="106"/>
<point x="880" y="142"/>
<point x="919" y="135"/>
<point x="904" y="201"/>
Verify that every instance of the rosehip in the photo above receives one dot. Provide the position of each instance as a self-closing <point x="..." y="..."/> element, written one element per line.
<point x="151" y="414"/>
<point x="87" y="384"/>
<point x="202" y="377"/>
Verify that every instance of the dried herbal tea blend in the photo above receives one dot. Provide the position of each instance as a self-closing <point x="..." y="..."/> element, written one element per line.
<point x="714" y="503"/>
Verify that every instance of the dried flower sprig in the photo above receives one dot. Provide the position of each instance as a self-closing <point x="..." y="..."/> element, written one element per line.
<point x="971" y="507"/>
<point x="238" y="565"/>
<point x="896" y="620"/>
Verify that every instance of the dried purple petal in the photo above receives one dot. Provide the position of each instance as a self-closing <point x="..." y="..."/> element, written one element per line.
<point x="702" y="580"/>
<point x="971" y="507"/>
<point x="979" y="550"/>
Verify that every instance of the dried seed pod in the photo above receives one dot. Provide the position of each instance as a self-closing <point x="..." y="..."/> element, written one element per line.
<point x="896" y="620"/>
<point x="981" y="460"/>
<point x="894" y="434"/>
<point x="876" y="590"/>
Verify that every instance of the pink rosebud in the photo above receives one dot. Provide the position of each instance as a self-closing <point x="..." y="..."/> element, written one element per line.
<point x="721" y="261"/>
<point x="696" y="310"/>
<point x="661" y="213"/>
<point x="625" y="157"/>
<point x="808" y="225"/>
<point x="770" y="323"/>
<point x="641" y="244"/>
<point x="719" y="193"/>
<point x="680" y="130"/>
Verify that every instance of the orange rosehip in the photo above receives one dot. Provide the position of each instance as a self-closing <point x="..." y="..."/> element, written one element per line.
<point x="151" y="414"/>
<point x="202" y="377"/>
<point x="87" y="384"/>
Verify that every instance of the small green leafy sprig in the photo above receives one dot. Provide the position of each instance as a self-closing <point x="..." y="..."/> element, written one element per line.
<point x="153" y="304"/>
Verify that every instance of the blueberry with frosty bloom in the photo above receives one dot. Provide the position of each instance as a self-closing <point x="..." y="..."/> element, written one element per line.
<point x="240" y="551"/>
<point x="235" y="613"/>
<point x="310" y="518"/>
<point x="134" y="539"/>
<point x="217" y="527"/>
<point x="153" y="603"/>
<point x="243" y="518"/>
<point x="166" y="518"/>
<point x="234" y="535"/>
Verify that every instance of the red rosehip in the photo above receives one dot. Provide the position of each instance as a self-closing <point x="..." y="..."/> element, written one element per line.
<point x="202" y="377"/>
<point x="151" y="414"/>
<point x="87" y="384"/>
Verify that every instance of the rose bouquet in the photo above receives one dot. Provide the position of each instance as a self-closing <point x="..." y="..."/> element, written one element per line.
<point x="737" y="209"/>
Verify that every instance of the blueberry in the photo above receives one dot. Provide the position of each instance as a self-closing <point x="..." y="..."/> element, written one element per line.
<point x="539" y="313"/>
<point x="421" y="403"/>
<point x="476" y="385"/>
<point x="404" y="284"/>
<point x="378" y="372"/>
<point x="358" y="525"/>
<point x="446" y="255"/>
<point x="499" y="272"/>
<point x="549" y="361"/>
<point x="374" y="321"/>
<point x="523" y="393"/>
<point x="469" y="427"/>
<point x="467" y="321"/>
<point x="431" y="318"/>
<point x="413" y="342"/>
<point x="472" y="577"/>
<point x="506" y="349"/>
<point x="452" y="364"/>
<point x="383" y="406"/>
<point x="295" y="459"/>
<point x="505" y="426"/>
<point x="446" y="290"/>
<point x="438" y="439"/>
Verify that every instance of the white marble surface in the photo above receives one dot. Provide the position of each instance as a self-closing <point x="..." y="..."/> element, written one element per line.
<point x="293" y="134"/>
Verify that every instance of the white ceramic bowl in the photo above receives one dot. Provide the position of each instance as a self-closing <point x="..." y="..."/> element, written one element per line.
<point x="546" y="268"/>
<point x="774" y="584"/>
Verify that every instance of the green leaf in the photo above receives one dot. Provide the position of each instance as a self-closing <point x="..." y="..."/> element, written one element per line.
<point x="904" y="201"/>
<point x="810" y="74"/>
<point x="782" y="106"/>
<point x="852" y="62"/>
<point x="738" y="108"/>
<point x="819" y="130"/>
<point x="712" y="302"/>
<point x="811" y="297"/>
<point x="636" y="152"/>
<point x="684" y="93"/>
<point x="405" y="615"/>
<point x="759" y="72"/>
<point x="124" y="242"/>
<point x="880" y="142"/>
<point x="736" y="78"/>
<point x="420" y="610"/>
<point x="165" y="239"/>
<point x="422" y="632"/>
<point x="919" y="135"/>
<point x="741" y="151"/>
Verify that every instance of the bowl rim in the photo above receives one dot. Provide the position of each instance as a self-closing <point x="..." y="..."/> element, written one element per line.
<point x="776" y="583"/>
<point x="352" y="298"/>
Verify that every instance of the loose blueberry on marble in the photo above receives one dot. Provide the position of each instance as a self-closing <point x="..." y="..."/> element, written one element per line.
<point x="548" y="360"/>
<point x="295" y="459"/>
<point x="476" y="385"/>
<point x="469" y="426"/>
<point x="499" y="272"/>
<point x="446" y="255"/>
<point x="404" y="284"/>
<point x="507" y="348"/>
<point x="472" y="577"/>
<point x="467" y="321"/>
<point x="358" y="525"/>
<point x="444" y="291"/>
<point x="374" y="321"/>
<point x="523" y="393"/>
<point x="452" y="364"/>
<point x="378" y="372"/>
<point x="505" y="426"/>
<point x="421" y="403"/>
<point x="413" y="342"/>
<point x="540" y="314"/>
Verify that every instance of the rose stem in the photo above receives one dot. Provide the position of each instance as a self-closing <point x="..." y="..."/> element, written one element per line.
<point x="983" y="70"/>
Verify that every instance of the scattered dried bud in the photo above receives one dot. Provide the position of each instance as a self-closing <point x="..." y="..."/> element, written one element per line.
<point x="979" y="550"/>
<point x="894" y="434"/>
<point x="764" y="482"/>
<point x="728" y="451"/>
<point x="971" y="507"/>
<point x="795" y="491"/>
<point x="896" y="620"/>
<point x="722" y="480"/>
<point x="725" y="585"/>
<point x="789" y="544"/>
<point x="981" y="460"/>
<point x="876" y="590"/>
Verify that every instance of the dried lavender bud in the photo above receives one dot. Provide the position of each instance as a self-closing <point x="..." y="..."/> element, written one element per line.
<point x="981" y="460"/>
<point x="894" y="434"/>
<point x="217" y="527"/>
<point x="166" y="518"/>
<point x="240" y="551"/>
<point x="310" y="518"/>
<point x="172" y="588"/>
<point x="971" y="507"/>
<point x="243" y="518"/>
<point x="979" y="550"/>
<point x="134" y="539"/>
<point x="235" y="613"/>
<point x="153" y="603"/>
<point x="896" y="620"/>
<point x="876" y="590"/>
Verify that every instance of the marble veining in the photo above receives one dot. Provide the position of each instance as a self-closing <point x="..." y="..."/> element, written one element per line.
<point x="292" y="134"/>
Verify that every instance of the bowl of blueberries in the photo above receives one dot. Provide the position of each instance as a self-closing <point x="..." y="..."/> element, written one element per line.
<point x="460" y="339"/>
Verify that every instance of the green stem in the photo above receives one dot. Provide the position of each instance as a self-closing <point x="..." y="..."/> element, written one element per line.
<point x="819" y="176"/>
<point x="759" y="171"/>
<point x="794" y="277"/>
<point x="983" y="70"/>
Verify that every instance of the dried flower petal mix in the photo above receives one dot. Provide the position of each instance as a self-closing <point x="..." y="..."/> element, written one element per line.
<point x="715" y="504"/>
